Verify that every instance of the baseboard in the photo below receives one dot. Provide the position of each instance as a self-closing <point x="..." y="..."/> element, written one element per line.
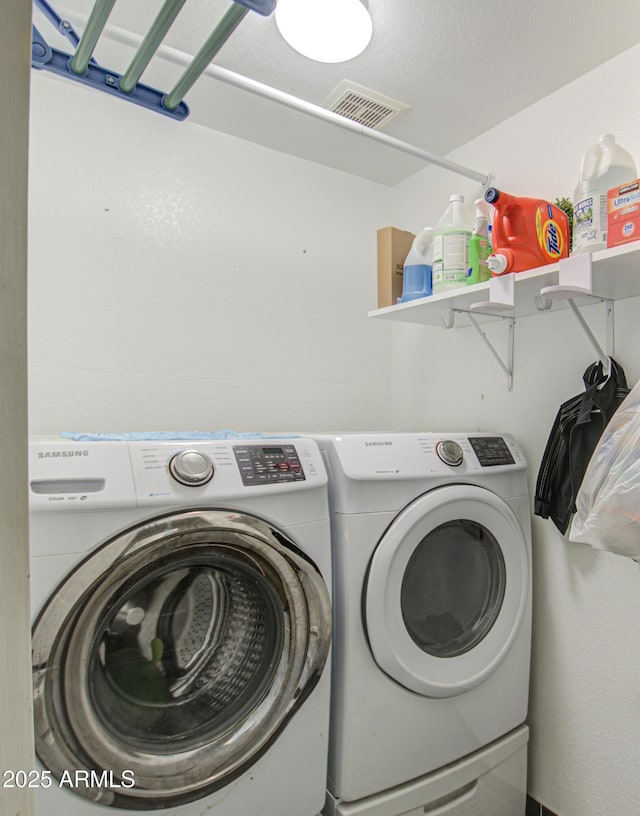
<point x="534" y="808"/>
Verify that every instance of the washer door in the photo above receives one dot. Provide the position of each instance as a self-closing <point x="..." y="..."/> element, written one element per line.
<point x="446" y="590"/>
<point x="174" y="655"/>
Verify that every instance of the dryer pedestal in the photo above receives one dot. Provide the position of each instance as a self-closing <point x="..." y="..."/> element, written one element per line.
<point x="490" y="782"/>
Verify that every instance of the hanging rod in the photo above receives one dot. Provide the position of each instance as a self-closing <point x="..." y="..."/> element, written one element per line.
<point x="95" y="25"/>
<point x="295" y="103"/>
<point x="216" y="40"/>
<point x="150" y="44"/>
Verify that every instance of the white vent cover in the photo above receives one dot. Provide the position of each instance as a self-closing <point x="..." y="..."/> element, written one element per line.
<point x="363" y="106"/>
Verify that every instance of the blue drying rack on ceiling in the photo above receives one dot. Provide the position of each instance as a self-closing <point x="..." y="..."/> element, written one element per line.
<point x="82" y="67"/>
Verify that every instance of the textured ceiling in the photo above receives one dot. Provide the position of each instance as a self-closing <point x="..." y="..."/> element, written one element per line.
<point x="461" y="67"/>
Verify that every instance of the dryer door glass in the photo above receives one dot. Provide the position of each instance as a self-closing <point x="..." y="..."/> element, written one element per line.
<point x="447" y="590"/>
<point x="453" y="588"/>
<point x="177" y="651"/>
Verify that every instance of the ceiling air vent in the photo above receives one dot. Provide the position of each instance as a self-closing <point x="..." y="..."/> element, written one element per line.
<point x="363" y="106"/>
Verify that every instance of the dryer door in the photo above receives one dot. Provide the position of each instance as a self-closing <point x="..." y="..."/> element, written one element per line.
<point x="446" y="590"/>
<point x="174" y="655"/>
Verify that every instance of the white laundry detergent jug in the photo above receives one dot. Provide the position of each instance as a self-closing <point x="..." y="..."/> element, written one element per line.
<point x="451" y="246"/>
<point x="604" y="165"/>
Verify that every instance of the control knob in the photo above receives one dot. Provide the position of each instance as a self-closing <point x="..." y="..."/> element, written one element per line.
<point x="191" y="468"/>
<point x="450" y="452"/>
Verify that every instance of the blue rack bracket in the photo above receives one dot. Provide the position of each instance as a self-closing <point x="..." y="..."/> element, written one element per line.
<point x="51" y="59"/>
<point x="264" y="7"/>
<point x="44" y="57"/>
<point x="63" y="26"/>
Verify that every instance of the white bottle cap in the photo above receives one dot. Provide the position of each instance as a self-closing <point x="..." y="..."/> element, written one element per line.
<point x="497" y="263"/>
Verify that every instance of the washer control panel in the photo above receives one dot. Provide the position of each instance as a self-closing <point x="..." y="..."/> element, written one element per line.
<point x="266" y="464"/>
<point x="64" y="475"/>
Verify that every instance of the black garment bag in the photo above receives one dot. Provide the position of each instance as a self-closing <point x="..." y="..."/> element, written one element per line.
<point x="575" y="433"/>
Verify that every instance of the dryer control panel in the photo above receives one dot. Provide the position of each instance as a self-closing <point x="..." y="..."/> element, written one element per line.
<point x="417" y="455"/>
<point x="491" y="451"/>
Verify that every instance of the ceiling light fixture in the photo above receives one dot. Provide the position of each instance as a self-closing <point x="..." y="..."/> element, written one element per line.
<point x="325" y="30"/>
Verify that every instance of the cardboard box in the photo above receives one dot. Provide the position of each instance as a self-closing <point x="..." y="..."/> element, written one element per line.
<point x="393" y="247"/>
<point x="623" y="214"/>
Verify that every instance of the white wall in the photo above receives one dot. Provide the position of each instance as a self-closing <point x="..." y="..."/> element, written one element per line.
<point x="182" y="279"/>
<point x="585" y="695"/>
<point x="16" y="740"/>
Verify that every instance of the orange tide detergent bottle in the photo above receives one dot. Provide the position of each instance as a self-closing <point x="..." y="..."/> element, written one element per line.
<point x="527" y="232"/>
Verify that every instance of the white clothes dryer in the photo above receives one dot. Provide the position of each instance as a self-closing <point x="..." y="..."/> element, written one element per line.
<point x="182" y="627"/>
<point x="432" y="606"/>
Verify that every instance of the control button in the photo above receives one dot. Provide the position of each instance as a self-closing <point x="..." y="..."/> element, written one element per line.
<point x="191" y="468"/>
<point x="450" y="452"/>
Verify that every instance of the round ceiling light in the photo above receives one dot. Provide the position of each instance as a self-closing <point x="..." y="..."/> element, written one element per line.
<point x="325" y="30"/>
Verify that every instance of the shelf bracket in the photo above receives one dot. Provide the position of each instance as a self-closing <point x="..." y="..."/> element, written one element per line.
<point x="603" y="355"/>
<point x="502" y="296"/>
<point x="507" y="367"/>
<point x="575" y="280"/>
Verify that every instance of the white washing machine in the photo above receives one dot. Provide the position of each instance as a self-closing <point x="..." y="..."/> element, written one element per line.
<point x="432" y="633"/>
<point x="182" y="627"/>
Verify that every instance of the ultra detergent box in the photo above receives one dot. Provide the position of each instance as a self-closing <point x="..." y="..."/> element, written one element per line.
<point x="623" y="214"/>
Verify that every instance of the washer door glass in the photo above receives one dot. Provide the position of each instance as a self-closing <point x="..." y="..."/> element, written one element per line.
<point x="184" y="652"/>
<point x="177" y="652"/>
<point x="446" y="590"/>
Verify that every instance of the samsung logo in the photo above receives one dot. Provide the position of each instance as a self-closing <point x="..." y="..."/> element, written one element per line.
<point x="381" y="443"/>
<point x="65" y="454"/>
